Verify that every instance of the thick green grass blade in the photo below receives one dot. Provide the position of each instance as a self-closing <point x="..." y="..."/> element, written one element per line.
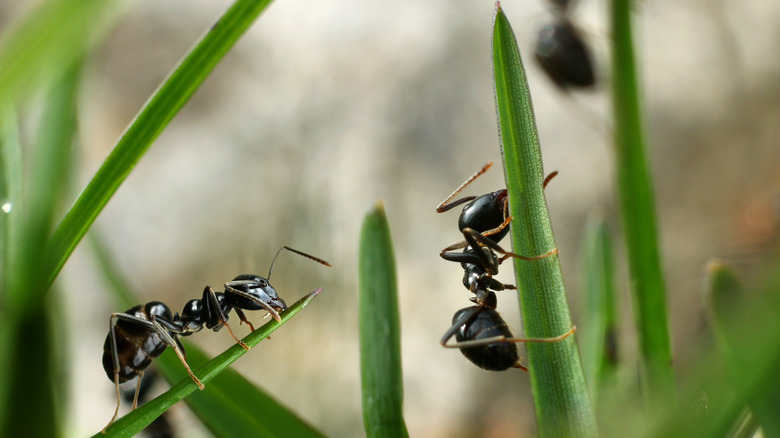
<point x="598" y="335"/>
<point x="33" y="378"/>
<point x="380" y="332"/>
<point x="135" y="421"/>
<point x="637" y="206"/>
<point x="231" y="406"/>
<point x="153" y="118"/>
<point x="563" y="407"/>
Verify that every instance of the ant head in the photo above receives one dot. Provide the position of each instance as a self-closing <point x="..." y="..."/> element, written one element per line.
<point x="486" y="212"/>
<point x="253" y="292"/>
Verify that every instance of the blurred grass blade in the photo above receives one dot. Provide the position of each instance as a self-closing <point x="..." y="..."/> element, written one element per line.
<point x="49" y="41"/>
<point x="231" y="406"/>
<point x="135" y="421"/>
<point x="726" y="294"/>
<point x="153" y="118"/>
<point x="34" y="384"/>
<point x="598" y="335"/>
<point x="380" y="332"/>
<point x="750" y="373"/>
<point x="637" y="206"/>
<point x="563" y="407"/>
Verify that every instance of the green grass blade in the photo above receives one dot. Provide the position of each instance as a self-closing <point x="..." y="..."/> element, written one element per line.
<point x="637" y="206"/>
<point x="563" y="407"/>
<point x="380" y="332"/>
<point x="598" y="335"/>
<point x="50" y="40"/>
<point x="33" y="376"/>
<point x="135" y="421"/>
<point x="231" y="406"/>
<point x="153" y="118"/>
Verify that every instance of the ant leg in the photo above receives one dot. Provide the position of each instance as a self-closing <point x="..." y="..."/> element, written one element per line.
<point x="494" y="339"/>
<point x="164" y="330"/>
<point x="214" y="309"/>
<point x="115" y="358"/>
<point x="475" y="238"/>
<point x="137" y="390"/>
<point x="549" y="178"/>
<point x="464" y="319"/>
<point x="230" y="289"/>
<point x="446" y="205"/>
<point x="243" y="319"/>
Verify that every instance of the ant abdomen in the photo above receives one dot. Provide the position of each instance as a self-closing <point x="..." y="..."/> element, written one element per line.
<point x="136" y="346"/>
<point x="496" y="356"/>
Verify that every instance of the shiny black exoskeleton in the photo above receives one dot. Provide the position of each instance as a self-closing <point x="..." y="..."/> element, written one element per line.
<point x="143" y="332"/>
<point x="480" y="332"/>
<point x="562" y="52"/>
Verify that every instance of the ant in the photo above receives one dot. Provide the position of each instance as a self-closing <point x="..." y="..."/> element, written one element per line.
<point x="561" y="50"/>
<point x="480" y="332"/>
<point x="143" y="332"/>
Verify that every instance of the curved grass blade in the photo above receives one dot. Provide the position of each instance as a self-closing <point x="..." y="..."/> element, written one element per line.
<point x="563" y="407"/>
<point x="232" y="406"/>
<point x="637" y="206"/>
<point x="380" y="331"/>
<point x="135" y="421"/>
<point x="153" y="118"/>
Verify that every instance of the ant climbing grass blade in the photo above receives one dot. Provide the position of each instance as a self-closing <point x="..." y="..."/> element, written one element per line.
<point x="135" y="421"/>
<point x="563" y="406"/>
<point x="380" y="332"/>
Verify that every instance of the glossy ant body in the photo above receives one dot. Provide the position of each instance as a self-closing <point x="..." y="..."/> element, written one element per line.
<point x="480" y="332"/>
<point x="143" y="332"/>
<point x="561" y="50"/>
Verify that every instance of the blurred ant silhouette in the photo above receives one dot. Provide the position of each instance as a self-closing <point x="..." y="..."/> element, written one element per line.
<point x="561" y="50"/>
<point x="143" y="332"/>
<point x="480" y="332"/>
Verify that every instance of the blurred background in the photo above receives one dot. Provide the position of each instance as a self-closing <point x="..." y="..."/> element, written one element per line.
<point x="324" y="108"/>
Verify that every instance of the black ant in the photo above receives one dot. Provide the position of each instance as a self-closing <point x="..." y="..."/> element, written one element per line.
<point x="143" y="332"/>
<point x="561" y="50"/>
<point x="480" y="332"/>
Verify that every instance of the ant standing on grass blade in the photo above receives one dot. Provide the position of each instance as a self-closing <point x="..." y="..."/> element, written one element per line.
<point x="480" y="332"/>
<point x="143" y="332"/>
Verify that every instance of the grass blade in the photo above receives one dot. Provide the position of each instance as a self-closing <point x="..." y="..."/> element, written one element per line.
<point x="563" y="407"/>
<point x="135" y="421"/>
<point x="380" y="332"/>
<point x="726" y="293"/>
<point x="33" y="375"/>
<point x="153" y="118"/>
<point x="599" y="334"/>
<point x="232" y="406"/>
<point x="637" y="206"/>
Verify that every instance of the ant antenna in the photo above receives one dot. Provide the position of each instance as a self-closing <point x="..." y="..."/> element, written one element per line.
<point x="444" y="207"/>
<point x="301" y="253"/>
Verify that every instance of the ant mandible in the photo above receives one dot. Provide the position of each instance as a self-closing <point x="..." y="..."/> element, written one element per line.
<point x="480" y="332"/>
<point x="143" y="332"/>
